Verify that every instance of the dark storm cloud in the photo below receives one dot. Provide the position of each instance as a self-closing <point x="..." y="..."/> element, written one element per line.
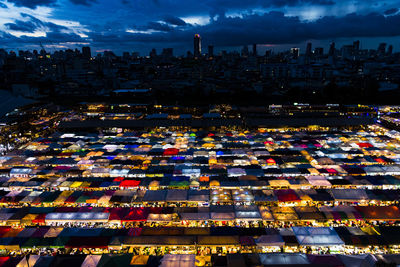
<point x="270" y="28"/>
<point x="158" y="27"/>
<point x="22" y="26"/>
<point x="391" y="11"/>
<point x="83" y="2"/>
<point x="32" y="3"/>
<point x="32" y="24"/>
<point x="174" y="21"/>
<point x="164" y="26"/>
<point x="182" y="8"/>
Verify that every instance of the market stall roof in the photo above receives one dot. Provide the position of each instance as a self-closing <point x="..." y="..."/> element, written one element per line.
<point x="349" y="194"/>
<point x="88" y="242"/>
<point x="379" y="212"/>
<point x="159" y="240"/>
<point x="317" y="236"/>
<point x="270" y="240"/>
<point x="177" y="195"/>
<point x="201" y="216"/>
<point x="159" y="217"/>
<point x="318" y="181"/>
<point x="362" y="260"/>
<point x="63" y="217"/>
<point x="218" y="240"/>
<point x="284" y="259"/>
<point x="222" y="216"/>
<point x="172" y="260"/>
<point x="91" y="261"/>
<point x="155" y="196"/>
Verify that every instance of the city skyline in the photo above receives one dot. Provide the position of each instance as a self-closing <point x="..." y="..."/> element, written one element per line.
<point x="139" y="26"/>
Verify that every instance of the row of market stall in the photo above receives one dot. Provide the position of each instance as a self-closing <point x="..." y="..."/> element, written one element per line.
<point x="196" y="154"/>
<point x="251" y="215"/>
<point x="200" y="198"/>
<point x="169" y="181"/>
<point x="183" y="260"/>
<point x="201" y="241"/>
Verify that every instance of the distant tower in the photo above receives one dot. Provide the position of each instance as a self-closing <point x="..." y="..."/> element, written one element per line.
<point x="382" y="49"/>
<point x="332" y="49"/>
<point x="390" y="50"/>
<point x="197" y="45"/>
<point x="86" y="52"/>
<point x="167" y="52"/>
<point x="245" y="51"/>
<point x="356" y="45"/>
<point x="295" y="51"/>
<point x="210" y="51"/>
<point x="153" y="53"/>
<point x="254" y="49"/>
<point x="308" y="49"/>
<point x="319" y="51"/>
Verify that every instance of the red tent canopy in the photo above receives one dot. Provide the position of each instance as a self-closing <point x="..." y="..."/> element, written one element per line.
<point x="136" y="215"/>
<point x="118" y="179"/>
<point x="40" y="219"/>
<point x="365" y="145"/>
<point x="3" y="260"/>
<point x="171" y="151"/>
<point x="286" y="195"/>
<point x="4" y="230"/>
<point x="117" y="213"/>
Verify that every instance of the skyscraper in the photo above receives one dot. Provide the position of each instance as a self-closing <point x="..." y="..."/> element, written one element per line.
<point x="86" y="52"/>
<point x="167" y="53"/>
<point x="197" y="45"/>
<point x="319" y="51"/>
<point x="295" y="51"/>
<point x="356" y="45"/>
<point x="210" y="51"/>
<point x="254" y="49"/>
<point x="245" y="51"/>
<point x="153" y="53"/>
<point x="308" y="49"/>
<point x="332" y="49"/>
<point x="390" y="50"/>
<point x="382" y="49"/>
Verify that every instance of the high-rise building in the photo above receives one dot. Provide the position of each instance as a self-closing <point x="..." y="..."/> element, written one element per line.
<point x="254" y="49"/>
<point x="356" y="45"/>
<point x="153" y="53"/>
<point x="382" y="49"/>
<point x="210" y="51"/>
<point x="126" y="55"/>
<point x="197" y="45"/>
<point x="245" y="51"/>
<point x="86" y="52"/>
<point x="308" y="49"/>
<point x="390" y="50"/>
<point x="167" y="52"/>
<point x="319" y="51"/>
<point x="295" y="52"/>
<point x="332" y="49"/>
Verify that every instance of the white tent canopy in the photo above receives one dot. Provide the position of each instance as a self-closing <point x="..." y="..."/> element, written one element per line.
<point x="77" y="217"/>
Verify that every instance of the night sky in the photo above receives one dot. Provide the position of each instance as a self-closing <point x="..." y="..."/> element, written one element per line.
<point x="139" y="25"/>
